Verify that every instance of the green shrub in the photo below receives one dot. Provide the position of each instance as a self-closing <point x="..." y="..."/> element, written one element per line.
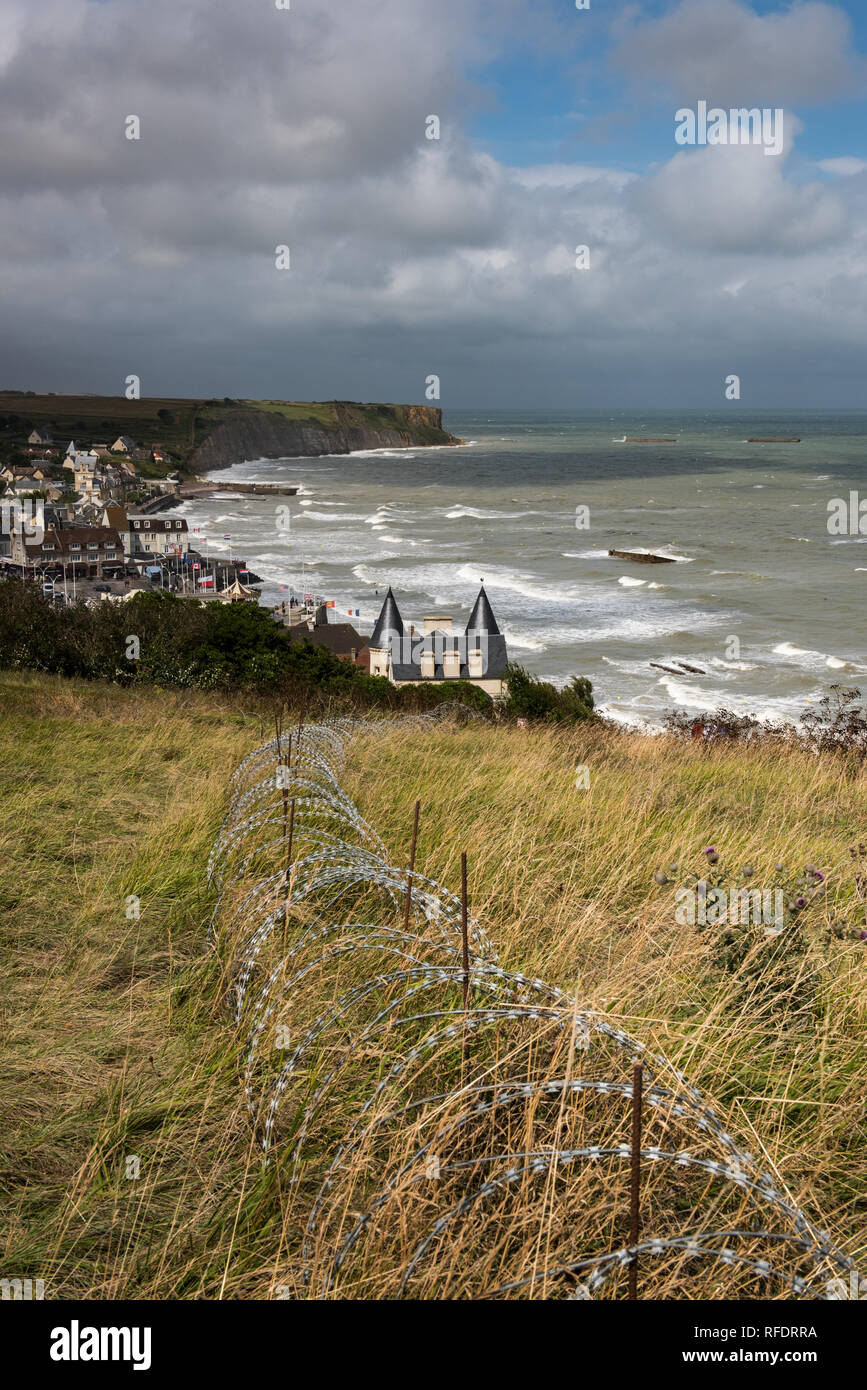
<point x="534" y="699"/>
<point x="230" y="647"/>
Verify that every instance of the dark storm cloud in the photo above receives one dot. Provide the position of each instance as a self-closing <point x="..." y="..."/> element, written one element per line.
<point x="263" y="127"/>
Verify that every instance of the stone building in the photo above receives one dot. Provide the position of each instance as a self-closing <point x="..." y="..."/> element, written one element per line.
<point x="408" y="657"/>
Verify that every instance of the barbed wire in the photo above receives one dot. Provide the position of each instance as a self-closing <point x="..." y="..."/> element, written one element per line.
<point x="392" y="1064"/>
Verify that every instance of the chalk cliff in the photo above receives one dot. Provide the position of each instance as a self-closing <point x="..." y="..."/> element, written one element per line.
<point x="339" y="428"/>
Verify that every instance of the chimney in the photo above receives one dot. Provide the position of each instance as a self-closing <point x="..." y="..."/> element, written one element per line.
<point x="452" y="666"/>
<point x="438" y="621"/>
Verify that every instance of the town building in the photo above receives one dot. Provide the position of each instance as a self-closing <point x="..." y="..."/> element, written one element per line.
<point x="407" y="657"/>
<point x="86" y="474"/>
<point x="23" y="484"/>
<point x="124" y="445"/>
<point x="90" y="552"/>
<point x="156" y="536"/>
<point x="87" y="510"/>
<point x="341" y="639"/>
<point x="115" y="515"/>
<point x="12" y="472"/>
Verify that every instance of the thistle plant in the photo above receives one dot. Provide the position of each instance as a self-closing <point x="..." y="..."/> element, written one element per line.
<point x="743" y="917"/>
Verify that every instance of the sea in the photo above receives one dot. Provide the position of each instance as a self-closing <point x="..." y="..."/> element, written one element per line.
<point x="765" y="597"/>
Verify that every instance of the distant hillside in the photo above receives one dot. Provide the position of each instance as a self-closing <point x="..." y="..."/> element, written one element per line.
<point x="206" y="434"/>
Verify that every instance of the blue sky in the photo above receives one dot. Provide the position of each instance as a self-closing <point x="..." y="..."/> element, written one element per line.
<point x="567" y="101"/>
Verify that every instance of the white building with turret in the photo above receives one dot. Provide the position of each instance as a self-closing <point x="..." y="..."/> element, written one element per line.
<point x="406" y="656"/>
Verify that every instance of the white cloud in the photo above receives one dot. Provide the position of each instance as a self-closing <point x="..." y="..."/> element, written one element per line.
<point x="733" y="198"/>
<point x="846" y="166"/>
<point x="726" y="53"/>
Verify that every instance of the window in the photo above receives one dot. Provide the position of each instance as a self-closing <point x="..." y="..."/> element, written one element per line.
<point x="74" y="545"/>
<point x="147" y="525"/>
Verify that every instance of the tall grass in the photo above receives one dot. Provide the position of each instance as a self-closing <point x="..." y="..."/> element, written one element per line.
<point x="567" y="877"/>
<point x="114" y="1040"/>
<point x="116" y="1036"/>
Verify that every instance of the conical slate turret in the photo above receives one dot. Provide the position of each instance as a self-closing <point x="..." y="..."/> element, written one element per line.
<point x="389" y="624"/>
<point x="482" y="617"/>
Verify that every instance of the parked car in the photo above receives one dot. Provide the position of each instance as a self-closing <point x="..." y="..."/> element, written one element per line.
<point x="102" y="588"/>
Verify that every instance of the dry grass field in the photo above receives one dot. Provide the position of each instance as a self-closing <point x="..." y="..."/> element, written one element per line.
<point x="116" y="1034"/>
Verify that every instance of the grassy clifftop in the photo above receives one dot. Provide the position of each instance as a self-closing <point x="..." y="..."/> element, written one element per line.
<point x="116" y="1037"/>
<point x="107" y="796"/>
